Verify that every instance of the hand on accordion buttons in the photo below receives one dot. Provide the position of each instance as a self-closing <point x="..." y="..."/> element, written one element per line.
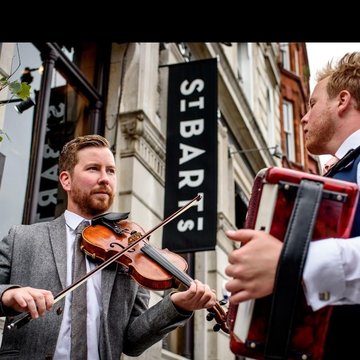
<point x="252" y="267"/>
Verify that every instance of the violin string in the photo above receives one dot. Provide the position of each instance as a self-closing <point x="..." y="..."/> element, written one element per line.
<point x="216" y="310"/>
<point x="154" y="254"/>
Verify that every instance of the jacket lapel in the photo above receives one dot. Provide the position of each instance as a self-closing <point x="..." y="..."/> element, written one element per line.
<point x="58" y="243"/>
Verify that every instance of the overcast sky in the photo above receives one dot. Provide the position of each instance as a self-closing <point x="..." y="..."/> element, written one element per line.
<point x="320" y="53"/>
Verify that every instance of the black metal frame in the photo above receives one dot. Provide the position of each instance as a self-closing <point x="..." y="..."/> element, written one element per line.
<point x="53" y="58"/>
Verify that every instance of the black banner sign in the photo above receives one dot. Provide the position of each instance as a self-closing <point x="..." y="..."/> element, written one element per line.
<point x="53" y="143"/>
<point x="191" y="156"/>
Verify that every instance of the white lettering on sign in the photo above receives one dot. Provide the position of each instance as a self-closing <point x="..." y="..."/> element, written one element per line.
<point x="197" y="85"/>
<point x="47" y="197"/>
<point x="184" y="225"/>
<point x="192" y="178"/>
<point x="51" y="174"/>
<point x="57" y="111"/>
<point x="189" y="152"/>
<point x="187" y="90"/>
<point x="48" y="188"/>
<point x="190" y="128"/>
<point x="50" y="153"/>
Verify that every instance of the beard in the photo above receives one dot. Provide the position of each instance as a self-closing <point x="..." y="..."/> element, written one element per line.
<point x="320" y="134"/>
<point x="316" y="144"/>
<point x="94" y="203"/>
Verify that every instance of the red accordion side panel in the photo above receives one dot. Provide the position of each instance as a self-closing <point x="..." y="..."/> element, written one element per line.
<point x="270" y="208"/>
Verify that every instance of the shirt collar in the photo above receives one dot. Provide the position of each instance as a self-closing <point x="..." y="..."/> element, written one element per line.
<point x="73" y="220"/>
<point x="352" y="142"/>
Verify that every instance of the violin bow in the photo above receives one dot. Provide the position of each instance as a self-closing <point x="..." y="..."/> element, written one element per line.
<point x="21" y="321"/>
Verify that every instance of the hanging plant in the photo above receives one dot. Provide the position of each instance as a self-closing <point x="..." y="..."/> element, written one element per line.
<point x="16" y="88"/>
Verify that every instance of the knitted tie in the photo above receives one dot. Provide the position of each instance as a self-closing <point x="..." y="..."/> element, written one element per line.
<point x="329" y="164"/>
<point x="78" y="303"/>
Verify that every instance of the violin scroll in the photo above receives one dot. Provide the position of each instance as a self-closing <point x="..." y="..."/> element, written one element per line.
<point x="220" y="315"/>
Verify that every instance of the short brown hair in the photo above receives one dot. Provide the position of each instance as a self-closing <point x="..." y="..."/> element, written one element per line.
<point x="68" y="156"/>
<point x="343" y="75"/>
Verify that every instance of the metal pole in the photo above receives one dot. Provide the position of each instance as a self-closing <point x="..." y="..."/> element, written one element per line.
<point x="39" y="133"/>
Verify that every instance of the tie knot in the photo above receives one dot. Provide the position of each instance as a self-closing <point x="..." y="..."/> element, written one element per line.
<point x="81" y="227"/>
<point x="329" y="164"/>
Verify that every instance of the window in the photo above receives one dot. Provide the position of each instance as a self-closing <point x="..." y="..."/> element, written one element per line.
<point x="285" y="55"/>
<point x="245" y="62"/>
<point x="297" y="66"/>
<point x="288" y="116"/>
<point x="270" y="115"/>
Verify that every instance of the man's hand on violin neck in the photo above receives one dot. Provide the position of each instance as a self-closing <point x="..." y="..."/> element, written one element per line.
<point x="34" y="301"/>
<point x="197" y="296"/>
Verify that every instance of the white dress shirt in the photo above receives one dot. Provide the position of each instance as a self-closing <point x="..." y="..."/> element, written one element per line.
<point x="93" y="293"/>
<point x="333" y="265"/>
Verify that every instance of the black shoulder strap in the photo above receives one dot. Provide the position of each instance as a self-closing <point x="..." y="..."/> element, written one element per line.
<point x="290" y="269"/>
<point x="342" y="163"/>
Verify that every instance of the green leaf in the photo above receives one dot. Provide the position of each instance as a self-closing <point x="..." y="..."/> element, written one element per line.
<point x="14" y="87"/>
<point x="24" y="91"/>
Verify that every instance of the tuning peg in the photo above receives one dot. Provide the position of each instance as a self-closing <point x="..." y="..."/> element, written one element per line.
<point x="216" y="327"/>
<point x="210" y="316"/>
<point x="223" y="301"/>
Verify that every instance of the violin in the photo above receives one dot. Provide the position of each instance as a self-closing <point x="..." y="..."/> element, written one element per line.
<point x="112" y="238"/>
<point x="153" y="268"/>
<point x="141" y="261"/>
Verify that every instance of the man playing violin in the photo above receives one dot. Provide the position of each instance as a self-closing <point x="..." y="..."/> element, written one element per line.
<point x="35" y="264"/>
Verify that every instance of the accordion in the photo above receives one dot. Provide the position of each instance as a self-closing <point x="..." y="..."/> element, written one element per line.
<point x="270" y="209"/>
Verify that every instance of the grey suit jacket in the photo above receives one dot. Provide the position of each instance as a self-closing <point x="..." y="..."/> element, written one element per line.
<point x="35" y="255"/>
